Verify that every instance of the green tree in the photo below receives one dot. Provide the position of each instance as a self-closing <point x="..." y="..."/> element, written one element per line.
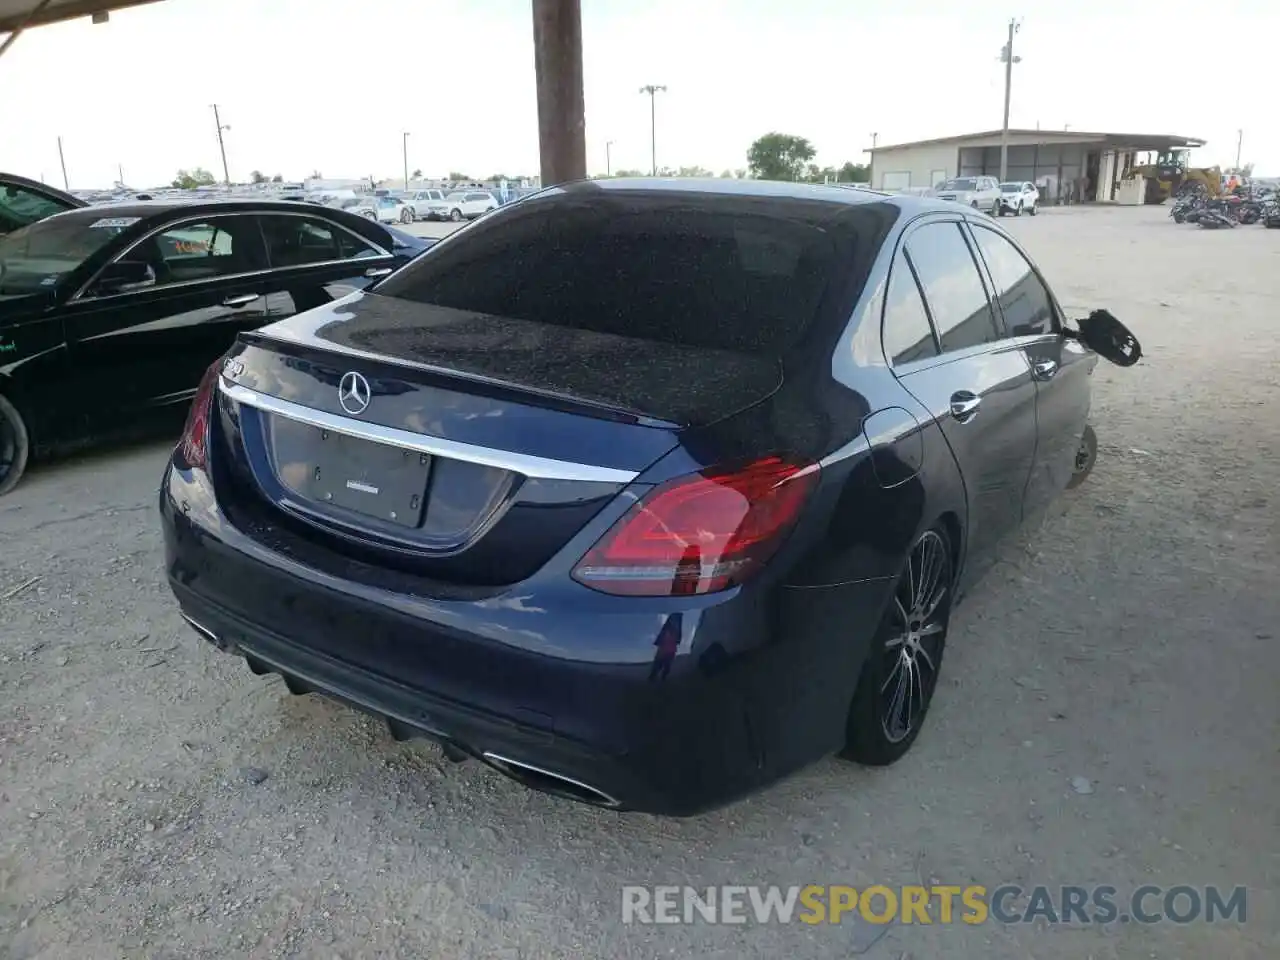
<point x="278" y="178"/>
<point x="780" y="156"/>
<point x="316" y="175"/>
<point x="694" y="171"/>
<point x="628" y="173"/>
<point x="417" y="174"/>
<point x="455" y="175"/>
<point x="257" y="177"/>
<point x="190" y="179"/>
<point x="855" y="173"/>
<point x="497" y="178"/>
<point x="726" y="174"/>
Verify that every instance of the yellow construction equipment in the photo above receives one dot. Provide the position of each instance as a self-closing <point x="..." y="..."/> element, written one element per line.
<point x="1170" y="172"/>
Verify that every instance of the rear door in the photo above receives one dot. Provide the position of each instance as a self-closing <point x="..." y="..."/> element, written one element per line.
<point x="149" y="346"/>
<point x="976" y="385"/>
<point x="1060" y="367"/>
<point x="315" y="260"/>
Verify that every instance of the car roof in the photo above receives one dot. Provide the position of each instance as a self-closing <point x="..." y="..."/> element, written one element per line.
<point x="155" y="209"/>
<point x="835" y="194"/>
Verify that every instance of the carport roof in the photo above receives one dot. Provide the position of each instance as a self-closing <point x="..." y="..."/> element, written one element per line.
<point x="25" y="14"/>
<point x="1136" y="141"/>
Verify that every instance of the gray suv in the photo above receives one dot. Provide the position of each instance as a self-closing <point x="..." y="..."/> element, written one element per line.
<point x="981" y="193"/>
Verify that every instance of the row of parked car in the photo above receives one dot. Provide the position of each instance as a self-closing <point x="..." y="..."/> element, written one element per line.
<point x="1014" y="197"/>
<point x="456" y="205"/>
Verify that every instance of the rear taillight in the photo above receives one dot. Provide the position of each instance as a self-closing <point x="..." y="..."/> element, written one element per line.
<point x="195" y="435"/>
<point x="700" y="533"/>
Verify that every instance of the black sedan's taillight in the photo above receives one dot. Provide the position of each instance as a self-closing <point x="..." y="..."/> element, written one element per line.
<point x="194" y="445"/>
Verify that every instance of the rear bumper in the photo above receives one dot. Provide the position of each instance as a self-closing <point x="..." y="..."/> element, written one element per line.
<point x="541" y="679"/>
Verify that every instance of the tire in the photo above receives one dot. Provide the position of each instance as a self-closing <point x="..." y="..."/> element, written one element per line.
<point x="15" y="446"/>
<point x="1017" y="212"/>
<point x="922" y="594"/>
<point x="1086" y="457"/>
<point x="406" y="216"/>
<point x="1034" y="208"/>
<point x="995" y="209"/>
<point x="455" y="215"/>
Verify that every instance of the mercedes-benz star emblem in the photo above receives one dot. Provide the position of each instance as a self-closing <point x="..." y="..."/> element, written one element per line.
<point x="353" y="393"/>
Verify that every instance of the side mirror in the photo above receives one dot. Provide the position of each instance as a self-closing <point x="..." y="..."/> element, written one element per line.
<point x="123" y="275"/>
<point x="1108" y="338"/>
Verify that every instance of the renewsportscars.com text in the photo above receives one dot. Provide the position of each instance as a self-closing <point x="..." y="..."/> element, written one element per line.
<point x="940" y="904"/>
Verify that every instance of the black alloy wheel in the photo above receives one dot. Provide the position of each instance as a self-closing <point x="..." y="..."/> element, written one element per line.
<point x="14" y="446"/>
<point x="901" y="672"/>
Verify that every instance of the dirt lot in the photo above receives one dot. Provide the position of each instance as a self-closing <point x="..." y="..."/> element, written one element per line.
<point x="157" y="800"/>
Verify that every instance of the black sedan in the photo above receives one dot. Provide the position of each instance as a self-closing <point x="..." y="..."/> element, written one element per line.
<point x="644" y="493"/>
<point x="110" y="314"/>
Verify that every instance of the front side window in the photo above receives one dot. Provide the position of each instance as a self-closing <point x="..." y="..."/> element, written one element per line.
<point x="218" y="247"/>
<point x="299" y="241"/>
<point x="953" y="286"/>
<point x="1023" y="299"/>
<point x="907" y="334"/>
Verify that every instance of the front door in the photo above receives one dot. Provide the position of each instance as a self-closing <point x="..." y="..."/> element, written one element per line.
<point x="149" y="345"/>
<point x="978" y="389"/>
<point x="1060" y="367"/>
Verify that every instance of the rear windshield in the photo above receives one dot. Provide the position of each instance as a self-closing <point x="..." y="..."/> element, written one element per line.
<point x="719" y="271"/>
<point x="966" y="184"/>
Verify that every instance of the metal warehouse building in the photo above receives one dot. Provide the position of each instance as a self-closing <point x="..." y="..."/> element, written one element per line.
<point x="1052" y="160"/>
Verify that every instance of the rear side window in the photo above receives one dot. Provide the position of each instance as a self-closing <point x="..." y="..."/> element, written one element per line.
<point x="1023" y="299"/>
<point x="297" y="241"/>
<point x="907" y="334"/>
<point x="20" y="206"/>
<point x="953" y="286"/>
<point x="720" y="272"/>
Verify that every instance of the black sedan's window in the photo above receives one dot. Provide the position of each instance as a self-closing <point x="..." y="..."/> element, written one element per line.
<point x="953" y="287"/>
<point x="907" y="334"/>
<point x="294" y="241"/>
<point x="1023" y="299"/>
<point x="37" y="258"/>
<point x="204" y="250"/>
<point x="736" y="273"/>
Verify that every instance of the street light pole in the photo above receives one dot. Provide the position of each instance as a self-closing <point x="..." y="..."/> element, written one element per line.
<point x="608" y="158"/>
<point x="652" y="90"/>
<point x="63" y="160"/>
<point x="1239" y="144"/>
<point x="404" y="143"/>
<point x="1009" y="60"/>
<point x="222" y="147"/>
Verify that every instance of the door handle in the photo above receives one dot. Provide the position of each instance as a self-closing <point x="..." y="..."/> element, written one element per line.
<point x="240" y="300"/>
<point x="375" y="272"/>
<point x="964" y="405"/>
<point x="1045" y="369"/>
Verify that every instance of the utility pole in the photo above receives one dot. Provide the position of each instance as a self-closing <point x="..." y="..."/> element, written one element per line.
<point x="404" y="144"/>
<point x="1009" y="60"/>
<point x="608" y="158"/>
<point x="120" y="171"/>
<point x="874" y="138"/>
<point x="226" y="175"/>
<point x="557" y="64"/>
<point x="66" y="184"/>
<point x="653" y="90"/>
<point x="1239" y="144"/>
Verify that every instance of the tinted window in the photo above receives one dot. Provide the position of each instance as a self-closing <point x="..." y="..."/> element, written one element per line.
<point x="40" y="256"/>
<point x="952" y="286"/>
<point x="297" y="241"/>
<point x="217" y="247"/>
<point x="707" y="271"/>
<point x="907" y="334"/>
<point x="1023" y="299"/>
<point x="20" y="206"/>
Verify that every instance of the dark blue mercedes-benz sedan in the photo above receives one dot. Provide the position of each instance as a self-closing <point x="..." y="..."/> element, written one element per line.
<point x="646" y="493"/>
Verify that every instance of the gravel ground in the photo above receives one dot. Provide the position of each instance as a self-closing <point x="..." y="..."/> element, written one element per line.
<point x="157" y="800"/>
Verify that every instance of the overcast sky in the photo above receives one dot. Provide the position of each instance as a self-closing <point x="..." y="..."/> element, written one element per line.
<point x="331" y="84"/>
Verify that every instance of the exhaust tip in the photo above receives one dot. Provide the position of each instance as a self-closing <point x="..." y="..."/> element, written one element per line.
<point x="204" y="631"/>
<point x="547" y="781"/>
